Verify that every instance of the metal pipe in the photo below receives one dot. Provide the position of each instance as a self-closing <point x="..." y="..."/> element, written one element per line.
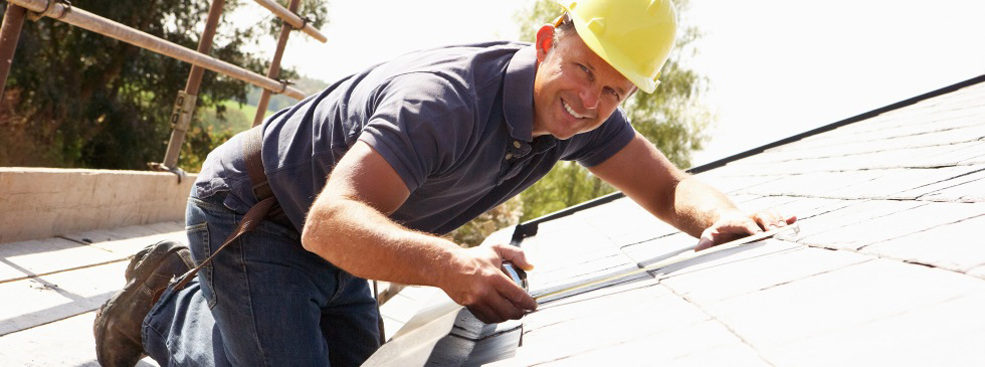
<point x="83" y="19"/>
<point x="205" y="45"/>
<point x="293" y="19"/>
<point x="181" y="117"/>
<point x="10" y="33"/>
<point x="274" y="71"/>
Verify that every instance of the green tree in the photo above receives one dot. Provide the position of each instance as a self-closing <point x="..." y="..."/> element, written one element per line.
<point x="672" y="118"/>
<point x="79" y="99"/>
<point x="474" y="232"/>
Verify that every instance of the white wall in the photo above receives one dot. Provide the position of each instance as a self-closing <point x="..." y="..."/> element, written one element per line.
<point x="45" y="202"/>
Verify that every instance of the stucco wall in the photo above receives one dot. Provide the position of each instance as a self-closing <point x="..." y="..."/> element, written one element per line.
<point x="46" y="202"/>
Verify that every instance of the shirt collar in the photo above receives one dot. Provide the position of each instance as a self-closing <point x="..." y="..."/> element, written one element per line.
<point x="518" y="93"/>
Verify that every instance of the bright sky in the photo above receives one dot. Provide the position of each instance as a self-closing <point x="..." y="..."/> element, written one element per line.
<point x="775" y="67"/>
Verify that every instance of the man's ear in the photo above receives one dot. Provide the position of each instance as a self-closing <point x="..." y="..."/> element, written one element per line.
<point x="545" y="41"/>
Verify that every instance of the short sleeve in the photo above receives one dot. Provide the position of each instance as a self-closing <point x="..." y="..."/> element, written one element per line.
<point x="420" y="123"/>
<point x="593" y="148"/>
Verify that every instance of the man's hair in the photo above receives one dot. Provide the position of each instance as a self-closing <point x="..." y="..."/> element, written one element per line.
<point x="566" y="25"/>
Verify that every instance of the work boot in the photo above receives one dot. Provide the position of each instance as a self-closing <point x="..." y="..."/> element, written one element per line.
<point x="118" y="321"/>
<point x="137" y="260"/>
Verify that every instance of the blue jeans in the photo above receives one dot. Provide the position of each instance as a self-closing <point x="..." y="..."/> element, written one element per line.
<point x="263" y="301"/>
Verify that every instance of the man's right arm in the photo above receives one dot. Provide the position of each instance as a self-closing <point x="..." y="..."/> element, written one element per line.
<point x="348" y="226"/>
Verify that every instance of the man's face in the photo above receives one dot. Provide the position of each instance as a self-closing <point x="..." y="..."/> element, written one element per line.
<point x="575" y="90"/>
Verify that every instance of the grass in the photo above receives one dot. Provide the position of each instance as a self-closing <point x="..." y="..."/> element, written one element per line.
<point x="237" y="117"/>
<point x="249" y="110"/>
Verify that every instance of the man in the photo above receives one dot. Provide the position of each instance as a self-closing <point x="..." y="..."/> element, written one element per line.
<point x="369" y="171"/>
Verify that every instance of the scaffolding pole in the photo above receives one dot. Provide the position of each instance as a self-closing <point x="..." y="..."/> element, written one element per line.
<point x="10" y="33"/>
<point x="83" y="19"/>
<point x="274" y="70"/>
<point x="290" y="16"/>
<point x="184" y="106"/>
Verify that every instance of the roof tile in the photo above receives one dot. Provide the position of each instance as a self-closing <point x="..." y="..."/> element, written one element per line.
<point x="734" y="355"/>
<point x="923" y="336"/>
<point x="951" y="246"/>
<point x="612" y="321"/>
<point x="857" y="235"/>
<point x="702" y="341"/>
<point x="840" y="299"/>
<point x="751" y="275"/>
<point x="858" y="211"/>
<point x="940" y="188"/>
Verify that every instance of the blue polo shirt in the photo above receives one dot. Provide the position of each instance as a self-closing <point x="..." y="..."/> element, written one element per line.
<point x="455" y="123"/>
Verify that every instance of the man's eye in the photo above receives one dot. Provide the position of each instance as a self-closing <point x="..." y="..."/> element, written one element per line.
<point x="613" y="92"/>
<point x="587" y="72"/>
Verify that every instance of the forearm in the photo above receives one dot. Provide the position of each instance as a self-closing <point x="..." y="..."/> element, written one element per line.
<point x="697" y="206"/>
<point x="641" y="172"/>
<point x="363" y="241"/>
<point x="348" y="226"/>
<point x="686" y="203"/>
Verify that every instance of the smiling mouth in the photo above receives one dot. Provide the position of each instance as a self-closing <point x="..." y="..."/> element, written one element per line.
<point x="571" y="111"/>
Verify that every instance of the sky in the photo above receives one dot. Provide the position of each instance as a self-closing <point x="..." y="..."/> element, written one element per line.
<point x="774" y="68"/>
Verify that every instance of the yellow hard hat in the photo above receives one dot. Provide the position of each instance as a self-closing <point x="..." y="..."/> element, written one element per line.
<point x="634" y="36"/>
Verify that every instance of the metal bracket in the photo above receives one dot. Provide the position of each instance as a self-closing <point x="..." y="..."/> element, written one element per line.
<point x="522" y="231"/>
<point x="304" y="22"/>
<point x="283" y="86"/>
<point x="181" y="115"/>
<point x="162" y="168"/>
<point x="34" y="16"/>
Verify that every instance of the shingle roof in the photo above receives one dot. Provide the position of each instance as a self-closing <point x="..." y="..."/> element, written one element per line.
<point x="888" y="269"/>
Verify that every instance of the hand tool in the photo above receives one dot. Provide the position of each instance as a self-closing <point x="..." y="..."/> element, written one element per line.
<point x="518" y="275"/>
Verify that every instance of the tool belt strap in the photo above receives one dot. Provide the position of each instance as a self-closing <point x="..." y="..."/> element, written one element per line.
<point x="265" y="207"/>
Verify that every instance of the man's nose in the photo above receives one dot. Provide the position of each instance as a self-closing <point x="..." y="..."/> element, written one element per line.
<point x="590" y="97"/>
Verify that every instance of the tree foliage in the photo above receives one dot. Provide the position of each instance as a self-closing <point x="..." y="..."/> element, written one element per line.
<point x="79" y="99"/>
<point x="475" y="231"/>
<point x="672" y="118"/>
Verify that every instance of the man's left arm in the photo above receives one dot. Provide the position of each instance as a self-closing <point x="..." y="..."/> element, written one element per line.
<point x="644" y="174"/>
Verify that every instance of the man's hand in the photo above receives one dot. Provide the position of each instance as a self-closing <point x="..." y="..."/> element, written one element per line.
<point x="482" y="286"/>
<point x="734" y="225"/>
